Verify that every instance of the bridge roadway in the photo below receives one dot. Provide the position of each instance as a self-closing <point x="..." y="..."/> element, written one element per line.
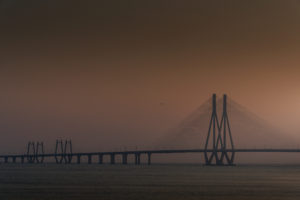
<point x="67" y="158"/>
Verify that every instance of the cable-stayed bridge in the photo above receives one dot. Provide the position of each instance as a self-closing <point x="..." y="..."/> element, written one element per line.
<point x="219" y="148"/>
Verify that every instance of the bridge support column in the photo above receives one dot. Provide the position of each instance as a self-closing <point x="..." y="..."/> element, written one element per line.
<point x="22" y="159"/>
<point x="39" y="152"/>
<point x="31" y="152"/>
<point x="42" y="159"/>
<point x="68" y="151"/>
<point x="78" y="159"/>
<point x="112" y="158"/>
<point x="90" y="159"/>
<point x="14" y="159"/>
<point x="6" y="159"/>
<point x="124" y="158"/>
<point x="59" y="152"/>
<point x="219" y="154"/>
<point x="39" y="158"/>
<point x="100" y="159"/>
<point x="137" y="158"/>
<point x="149" y="158"/>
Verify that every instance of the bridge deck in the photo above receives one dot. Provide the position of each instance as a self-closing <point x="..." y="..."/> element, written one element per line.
<point x="156" y="152"/>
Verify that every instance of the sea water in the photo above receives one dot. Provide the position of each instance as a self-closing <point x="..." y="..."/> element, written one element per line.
<point x="143" y="182"/>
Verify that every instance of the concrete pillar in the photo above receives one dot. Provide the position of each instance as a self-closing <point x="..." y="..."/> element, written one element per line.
<point x="68" y="158"/>
<point x="137" y="158"/>
<point x="78" y="159"/>
<point x="37" y="158"/>
<point x="59" y="158"/>
<point x="112" y="158"/>
<point x="124" y="158"/>
<point x="22" y="159"/>
<point x="56" y="159"/>
<point x="90" y="159"/>
<point x="100" y="158"/>
<point x="14" y="159"/>
<point x="42" y="159"/>
<point x="6" y="159"/>
<point x="149" y="158"/>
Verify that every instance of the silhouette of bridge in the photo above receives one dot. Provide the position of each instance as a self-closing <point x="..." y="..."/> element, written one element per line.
<point x="219" y="148"/>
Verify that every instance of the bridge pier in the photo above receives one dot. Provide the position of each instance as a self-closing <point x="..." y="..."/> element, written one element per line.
<point x="14" y="159"/>
<point x="124" y="158"/>
<point x="68" y="151"/>
<point x="59" y="161"/>
<point x="112" y="158"/>
<point x="39" y="159"/>
<point x="137" y="158"/>
<point x="89" y="159"/>
<point x="100" y="159"/>
<point x="22" y="159"/>
<point x="149" y="158"/>
<point x="31" y="160"/>
<point x="5" y="159"/>
<point x="68" y="158"/>
<point x="39" y="152"/>
<point x="78" y="159"/>
<point x="59" y="152"/>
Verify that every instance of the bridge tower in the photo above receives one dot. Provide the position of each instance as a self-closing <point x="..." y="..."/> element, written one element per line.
<point x="31" y="152"/>
<point x="228" y="146"/>
<point x="219" y="147"/>
<point x="59" y="151"/>
<point x="63" y="151"/>
<point x="39" y="154"/>
<point x="35" y="152"/>
<point x="68" y="151"/>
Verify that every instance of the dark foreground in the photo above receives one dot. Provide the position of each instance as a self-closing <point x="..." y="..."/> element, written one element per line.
<point x="55" y="182"/>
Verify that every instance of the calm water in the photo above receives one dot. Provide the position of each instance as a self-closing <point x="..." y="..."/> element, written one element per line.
<point x="148" y="182"/>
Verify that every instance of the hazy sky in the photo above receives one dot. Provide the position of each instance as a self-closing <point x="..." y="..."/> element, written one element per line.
<point x="110" y="74"/>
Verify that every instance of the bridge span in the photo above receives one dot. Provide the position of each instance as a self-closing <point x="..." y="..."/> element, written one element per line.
<point x="69" y="158"/>
<point x="219" y="147"/>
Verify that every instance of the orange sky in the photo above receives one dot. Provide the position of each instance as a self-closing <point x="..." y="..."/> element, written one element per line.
<point x="115" y="74"/>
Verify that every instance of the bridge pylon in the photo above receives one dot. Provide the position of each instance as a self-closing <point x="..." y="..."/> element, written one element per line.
<point x="39" y="154"/>
<point x="68" y="151"/>
<point x="59" y="151"/>
<point x="63" y="151"/>
<point x="31" y="152"/>
<point x="35" y="152"/>
<point x="219" y="147"/>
